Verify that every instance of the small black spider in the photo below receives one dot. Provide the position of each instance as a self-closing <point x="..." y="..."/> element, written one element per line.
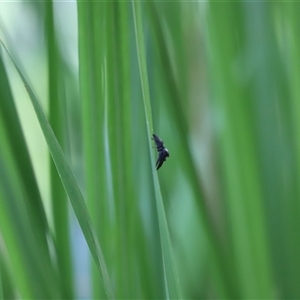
<point x="163" y="153"/>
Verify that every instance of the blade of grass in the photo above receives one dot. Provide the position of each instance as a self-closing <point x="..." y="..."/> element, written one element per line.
<point x="35" y="275"/>
<point x="1" y="289"/>
<point x="147" y="237"/>
<point x="21" y="278"/>
<point x="57" y="120"/>
<point x="92" y="19"/>
<point x="276" y="144"/>
<point x="8" y="289"/>
<point x="11" y="123"/>
<point x="176" y="110"/>
<point x="116" y="142"/>
<point x="128" y="204"/>
<point x="292" y="170"/>
<point x="33" y="228"/>
<point x="238" y="153"/>
<point x="70" y="185"/>
<point x="172" y="287"/>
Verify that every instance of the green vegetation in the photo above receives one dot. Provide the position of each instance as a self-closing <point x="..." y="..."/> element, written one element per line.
<point x="83" y="211"/>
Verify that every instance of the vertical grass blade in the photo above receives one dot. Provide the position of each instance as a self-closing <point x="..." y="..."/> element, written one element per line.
<point x="20" y="200"/>
<point x="57" y="120"/>
<point x="70" y="186"/>
<point x="92" y="24"/>
<point x="175" y="102"/>
<point x="238" y="153"/>
<point x="172" y="287"/>
<point x="27" y="252"/>
<point x="1" y="289"/>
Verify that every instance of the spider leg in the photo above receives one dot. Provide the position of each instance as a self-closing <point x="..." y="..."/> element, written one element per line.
<point x="159" y="143"/>
<point x="160" y="160"/>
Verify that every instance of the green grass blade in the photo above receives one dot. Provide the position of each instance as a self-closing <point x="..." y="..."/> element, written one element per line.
<point x="24" y="215"/>
<point x="7" y="286"/>
<point x="11" y="123"/>
<point x="1" y="289"/>
<point x="175" y="102"/>
<point x="70" y="186"/>
<point x="238" y="152"/>
<point x="57" y="120"/>
<point x="172" y="287"/>
<point x="92" y="19"/>
<point x="27" y="251"/>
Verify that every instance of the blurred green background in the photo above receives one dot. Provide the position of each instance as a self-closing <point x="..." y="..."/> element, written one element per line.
<point x="218" y="82"/>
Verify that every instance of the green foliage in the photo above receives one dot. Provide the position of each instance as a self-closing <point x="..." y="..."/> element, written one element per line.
<point x="218" y="82"/>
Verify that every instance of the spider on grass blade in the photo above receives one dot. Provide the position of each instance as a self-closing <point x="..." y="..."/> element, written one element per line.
<point x="163" y="153"/>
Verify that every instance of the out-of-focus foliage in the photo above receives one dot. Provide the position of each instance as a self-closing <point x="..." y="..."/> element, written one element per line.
<point x="218" y="82"/>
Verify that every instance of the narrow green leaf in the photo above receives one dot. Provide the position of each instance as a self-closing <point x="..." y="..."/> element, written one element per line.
<point x="23" y="224"/>
<point x="92" y="18"/>
<point x="34" y="273"/>
<point x="1" y="290"/>
<point x="174" y="103"/>
<point x="170" y="273"/>
<point x="58" y="120"/>
<point x="70" y="185"/>
<point x="239" y="139"/>
<point x="12" y="124"/>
